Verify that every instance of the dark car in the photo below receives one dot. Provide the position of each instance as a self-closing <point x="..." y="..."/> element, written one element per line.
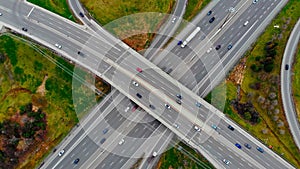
<point x="81" y="14"/>
<point x="151" y="106"/>
<point x="178" y="101"/>
<point x="76" y="161"/>
<point x="238" y="145"/>
<point x="247" y="145"/>
<point x="178" y="96"/>
<point x="208" y="13"/>
<point x="229" y="46"/>
<point x="260" y="149"/>
<point x="211" y="20"/>
<point x="286" y="67"/>
<point x="230" y="127"/>
<point x="24" y="29"/>
<point x="105" y="131"/>
<point x="180" y="42"/>
<point x="103" y="140"/>
<point x="139" y="95"/>
<point x="218" y="47"/>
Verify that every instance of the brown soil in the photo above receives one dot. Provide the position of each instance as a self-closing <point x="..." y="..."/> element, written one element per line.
<point x="42" y="89"/>
<point x="237" y="75"/>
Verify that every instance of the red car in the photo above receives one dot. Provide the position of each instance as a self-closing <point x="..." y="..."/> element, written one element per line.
<point x="139" y="70"/>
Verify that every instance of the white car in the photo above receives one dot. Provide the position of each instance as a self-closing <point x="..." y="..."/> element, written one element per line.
<point x="61" y="152"/>
<point x="121" y="141"/>
<point x="0" y="14"/>
<point x="254" y="1"/>
<point x="127" y="108"/>
<point x="208" y="50"/>
<point x="167" y="106"/>
<point x="197" y="128"/>
<point x="135" y="83"/>
<point x="176" y="125"/>
<point x="227" y="162"/>
<point x="173" y="20"/>
<point x="58" y="46"/>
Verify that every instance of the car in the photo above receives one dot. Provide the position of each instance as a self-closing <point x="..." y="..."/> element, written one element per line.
<point x="169" y="71"/>
<point x="230" y="127"/>
<point x="229" y="46"/>
<point x="254" y="1"/>
<point x="286" y="67"/>
<point x="103" y="140"/>
<point x="173" y="20"/>
<point x="260" y="149"/>
<point x="134" y="107"/>
<point x="211" y="20"/>
<point x="81" y="14"/>
<point x="208" y="50"/>
<point x="197" y="128"/>
<point x="135" y="83"/>
<point x="178" y="101"/>
<point x="139" y="70"/>
<point x="121" y="141"/>
<point x="24" y="29"/>
<point x="238" y="145"/>
<point x="178" y="96"/>
<point x="151" y="106"/>
<point x="198" y="104"/>
<point x="214" y="127"/>
<point x="246" y="23"/>
<point x="127" y="108"/>
<point x="208" y="13"/>
<point x="176" y="125"/>
<point x="0" y="14"/>
<point x="247" y="145"/>
<point x="218" y="47"/>
<point x="76" y="161"/>
<point x="167" y="106"/>
<point x="105" y="131"/>
<point x="227" y="162"/>
<point x="61" y="152"/>
<point x="58" y="46"/>
<point x="179" y="42"/>
<point x="139" y="95"/>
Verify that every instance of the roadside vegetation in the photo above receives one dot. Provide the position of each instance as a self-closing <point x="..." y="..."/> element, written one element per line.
<point x="36" y="106"/>
<point x="136" y="31"/>
<point x="296" y="81"/>
<point x="182" y="156"/>
<point x="193" y="8"/>
<point x="253" y="91"/>
<point x="57" y="6"/>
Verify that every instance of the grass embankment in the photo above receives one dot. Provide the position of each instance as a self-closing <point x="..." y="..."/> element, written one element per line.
<point x="57" y="6"/>
<point x="260" y="86"/>
<point x="296" y="81"/>
<point x="23" y="71"/>
<point x="193" y="8"/>
<point x="135" y="30"/>
<point x="175" y="158"/>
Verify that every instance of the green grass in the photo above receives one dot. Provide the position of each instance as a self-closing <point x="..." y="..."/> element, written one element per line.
<point x="175" y="158"/>
<point x="107" y="11"/>
<point x="28" y="72"/>
<point x="296" y="81"/>
<point x="193" y="8"/>
<point x="282" y="144"/>
<point x="57" y="6"/>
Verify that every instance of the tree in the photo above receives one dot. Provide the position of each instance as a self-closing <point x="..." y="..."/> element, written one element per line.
<point x="247" y="116"/>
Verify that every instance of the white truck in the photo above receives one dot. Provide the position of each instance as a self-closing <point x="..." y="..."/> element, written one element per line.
<point x="190" y="37"/>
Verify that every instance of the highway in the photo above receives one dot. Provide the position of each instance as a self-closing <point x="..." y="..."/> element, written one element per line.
<point x="286" y="83"/>
<point x="195" y="64"/>
<point x="116" y="66"/>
